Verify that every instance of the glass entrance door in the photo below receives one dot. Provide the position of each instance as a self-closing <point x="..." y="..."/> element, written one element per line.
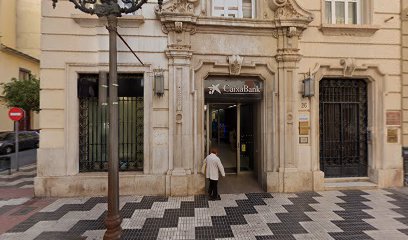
<point x="230" y="128"/>
<point x="246" y="136"/>
<point x="221" y="133"/>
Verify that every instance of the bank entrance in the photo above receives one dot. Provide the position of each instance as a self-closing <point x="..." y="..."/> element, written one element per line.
<point x="232" y="132"/>
<point x="232" y="125"/>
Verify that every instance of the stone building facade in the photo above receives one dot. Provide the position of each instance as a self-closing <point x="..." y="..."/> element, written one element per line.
<point x="296" y="92"/>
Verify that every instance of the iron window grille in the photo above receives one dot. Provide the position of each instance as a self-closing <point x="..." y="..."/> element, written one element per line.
<point x="94" y="126"/>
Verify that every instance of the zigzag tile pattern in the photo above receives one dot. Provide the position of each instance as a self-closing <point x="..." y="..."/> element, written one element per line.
<point x="21" y="179"/>
<point x="374" y="214"/>
<point x="353" y="225"/>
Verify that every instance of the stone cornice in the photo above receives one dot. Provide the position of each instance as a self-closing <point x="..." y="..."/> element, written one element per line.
<point x="349" y="30"/>
<point x="91" y="21"/>
<point x="179" y="53"/>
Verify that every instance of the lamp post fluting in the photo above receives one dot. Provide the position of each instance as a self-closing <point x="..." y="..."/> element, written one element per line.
<point x="111" y="10"/>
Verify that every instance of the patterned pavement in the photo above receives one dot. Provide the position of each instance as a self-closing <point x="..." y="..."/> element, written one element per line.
<point x="370" y="214"/>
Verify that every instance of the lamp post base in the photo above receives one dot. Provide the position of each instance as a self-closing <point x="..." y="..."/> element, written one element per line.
<point x="114" y="230"/>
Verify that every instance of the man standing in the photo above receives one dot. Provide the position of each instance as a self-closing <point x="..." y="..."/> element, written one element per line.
<point x="214" y="165"/>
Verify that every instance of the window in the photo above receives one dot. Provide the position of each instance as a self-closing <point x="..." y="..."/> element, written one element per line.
<point x="233" y="8"/>
<point x="343" y="11"/>
<point x="24" y="74"/>
<point x="94" y="127"/>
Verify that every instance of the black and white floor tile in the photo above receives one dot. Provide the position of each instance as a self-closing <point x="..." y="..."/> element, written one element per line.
<point x="24" y="178"/>
<point x="373" y="214"/>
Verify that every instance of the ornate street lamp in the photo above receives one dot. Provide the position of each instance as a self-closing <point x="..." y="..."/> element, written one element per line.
<point x="111" y="10"/>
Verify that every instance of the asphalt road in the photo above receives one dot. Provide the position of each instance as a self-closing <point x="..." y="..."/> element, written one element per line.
<point x="25" y="157"/>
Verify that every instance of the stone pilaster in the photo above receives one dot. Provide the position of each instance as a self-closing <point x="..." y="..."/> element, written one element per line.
<point x="179" y="23"/>
<point x="290" y="21"/>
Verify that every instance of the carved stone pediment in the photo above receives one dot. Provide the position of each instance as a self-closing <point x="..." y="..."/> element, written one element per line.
<point x="289" y="10"/>
<point x="178" y="7"/>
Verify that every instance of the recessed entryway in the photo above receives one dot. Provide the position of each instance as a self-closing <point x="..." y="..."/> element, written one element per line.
<point x="343" y="128"/>
<point x="233" y="125"/>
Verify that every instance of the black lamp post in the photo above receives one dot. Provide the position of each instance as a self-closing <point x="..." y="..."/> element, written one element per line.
<point x="111" y="10"/>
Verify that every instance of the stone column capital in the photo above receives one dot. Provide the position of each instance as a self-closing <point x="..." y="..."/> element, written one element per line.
<point x="179" y="27"/>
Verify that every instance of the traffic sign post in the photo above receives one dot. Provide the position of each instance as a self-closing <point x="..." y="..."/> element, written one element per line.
<point x="16" y="114"/>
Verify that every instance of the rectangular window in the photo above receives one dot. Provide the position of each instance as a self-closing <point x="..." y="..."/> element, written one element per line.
<point x="94" y="126"/>
<point x="233" y="8"/>
<point x="342" y="11"/>
<point x="24" y="74"/>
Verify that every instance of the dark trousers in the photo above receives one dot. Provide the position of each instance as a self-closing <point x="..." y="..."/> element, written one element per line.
<point x="213" y="189"/>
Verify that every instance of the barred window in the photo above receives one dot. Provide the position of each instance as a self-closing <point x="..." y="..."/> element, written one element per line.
<point x="94" y="126"/>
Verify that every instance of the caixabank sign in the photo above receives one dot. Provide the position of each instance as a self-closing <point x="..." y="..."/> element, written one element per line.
<point x="233" y="89"/>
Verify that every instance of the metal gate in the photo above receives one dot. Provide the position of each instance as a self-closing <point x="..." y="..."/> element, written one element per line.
<point x="343" y="127"/>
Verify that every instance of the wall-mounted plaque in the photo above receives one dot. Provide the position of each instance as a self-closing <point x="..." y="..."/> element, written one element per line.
<point x="393" y="118"/>
<point x="392" y="135"/>
<point x="304" y="128"/>
<point x="303" y="140"/>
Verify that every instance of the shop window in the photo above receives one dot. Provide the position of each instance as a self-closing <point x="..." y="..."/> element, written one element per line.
<point x="233" y="8"/>
<point x="343" y="11"/>
<point x="94" y="127"/>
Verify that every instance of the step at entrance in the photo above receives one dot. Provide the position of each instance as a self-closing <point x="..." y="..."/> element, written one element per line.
<point x="351" y="183"/>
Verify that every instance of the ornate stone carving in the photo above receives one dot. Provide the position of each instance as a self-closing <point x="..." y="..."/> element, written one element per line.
<point x="274" y="4"/>
<point x="179" y="90"/>
<point x="180" y="6"/>
<point x="178" y="27"/>
<point x="275" y="33"/>
<point x="292" y="31"/>
<point x="290" y="9"/>
<point x="287" y="11"/>
<point x="235" y="64"/>
<point x="349" y="65"/>
<point x="404" y="14"/>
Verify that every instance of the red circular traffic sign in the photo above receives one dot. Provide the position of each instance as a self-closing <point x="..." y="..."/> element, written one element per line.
<point x="16" y="114"/>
